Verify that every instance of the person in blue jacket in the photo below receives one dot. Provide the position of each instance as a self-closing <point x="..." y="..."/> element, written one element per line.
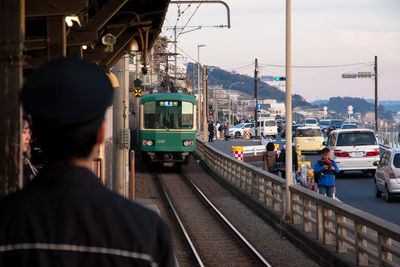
<point x="324" y="173"/>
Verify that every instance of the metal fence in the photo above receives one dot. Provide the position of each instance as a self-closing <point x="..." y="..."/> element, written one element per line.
<point x="355" y="235"/>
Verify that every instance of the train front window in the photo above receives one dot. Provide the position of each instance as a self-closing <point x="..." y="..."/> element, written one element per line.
<point x="168" y="114"/>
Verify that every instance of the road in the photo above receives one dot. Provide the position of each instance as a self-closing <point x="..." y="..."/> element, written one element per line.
<point x="353" y="188"/>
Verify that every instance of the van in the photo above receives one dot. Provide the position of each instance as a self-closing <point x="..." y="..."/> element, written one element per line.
<point x="308" y="138"/>
<point x="267" y="127"/>
<point x="354" y="149"/>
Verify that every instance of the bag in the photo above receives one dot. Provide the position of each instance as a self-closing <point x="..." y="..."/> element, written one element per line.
<point x="272" y="169"/>
<point x="281" y="166"/>
<point x="220" y="128"/>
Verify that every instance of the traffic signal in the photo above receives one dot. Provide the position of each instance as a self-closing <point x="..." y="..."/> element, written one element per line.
<point x="211" y="110"/>
<point x="277" y="78"/>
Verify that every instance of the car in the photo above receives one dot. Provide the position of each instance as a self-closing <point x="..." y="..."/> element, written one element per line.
<point x="324" y="124"/>
<point x="310" y="122"/>
<point x="239" y="129"/>
<point x="354" y="149"/>
<point x="387" y="176"/>
<point x="294" y="127"/>
<point x="349" y="126"/>
<point x="308" y="138"/>
<point x="334" y="124"/>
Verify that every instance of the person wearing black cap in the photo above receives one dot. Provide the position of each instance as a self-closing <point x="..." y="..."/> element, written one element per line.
<point x="65" y="216"/>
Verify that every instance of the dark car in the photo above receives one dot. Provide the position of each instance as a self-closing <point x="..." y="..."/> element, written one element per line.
<point x="294" y="127"/>
<point x="334" y="124"/>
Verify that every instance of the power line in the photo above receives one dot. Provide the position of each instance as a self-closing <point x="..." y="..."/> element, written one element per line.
<point x="190" y="18"/>
<point x="321" y="66"/>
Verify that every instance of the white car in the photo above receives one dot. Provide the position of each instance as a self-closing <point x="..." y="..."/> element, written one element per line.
<point x="387" y="176"/>
<point x="310" y="122"/>
<point x="238" y="130"/>
<point x="354" y="149"/>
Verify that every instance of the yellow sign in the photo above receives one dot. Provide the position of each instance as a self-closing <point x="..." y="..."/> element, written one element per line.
<point x="138" y="92"/>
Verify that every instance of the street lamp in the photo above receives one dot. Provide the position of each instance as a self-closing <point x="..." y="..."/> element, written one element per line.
<point x="198" y="83"/>
<point x="229" y="102"/>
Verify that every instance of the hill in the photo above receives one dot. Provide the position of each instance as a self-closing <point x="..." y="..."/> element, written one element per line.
<point x="340" y="104"/>
<point x="391" y="105"/>
<point x="217" y="76"/>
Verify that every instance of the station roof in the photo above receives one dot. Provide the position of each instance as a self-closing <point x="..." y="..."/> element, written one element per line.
<point x="126" y="20"/>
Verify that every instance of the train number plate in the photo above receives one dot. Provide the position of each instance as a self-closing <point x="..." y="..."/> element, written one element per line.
<point x="160" y="141"/>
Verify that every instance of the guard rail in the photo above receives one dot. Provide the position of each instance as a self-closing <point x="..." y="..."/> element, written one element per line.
<point x="358" y="238"/>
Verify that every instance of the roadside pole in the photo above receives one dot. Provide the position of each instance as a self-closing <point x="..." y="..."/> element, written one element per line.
<point x="376" y="93"/>
<point x="205" y="126"/>
<point x="288" y="159"/>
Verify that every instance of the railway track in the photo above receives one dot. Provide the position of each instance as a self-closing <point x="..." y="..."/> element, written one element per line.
<point x="212" y="239"/>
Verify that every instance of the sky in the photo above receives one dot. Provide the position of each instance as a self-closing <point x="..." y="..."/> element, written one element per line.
<point x="324" y="33"/>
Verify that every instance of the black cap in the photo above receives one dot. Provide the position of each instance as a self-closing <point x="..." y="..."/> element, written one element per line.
<point x="67" y="91"/>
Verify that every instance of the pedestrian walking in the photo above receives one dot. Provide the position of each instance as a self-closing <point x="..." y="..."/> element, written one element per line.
<point x="226" y="131"/>
<point x="210" y="131"/>
<point x="65" y="216"/>
<point x="324" y="173"/>
<point x="217" y="130"/>
<point x="221" y="130"/>
<point x="270" y="159"/>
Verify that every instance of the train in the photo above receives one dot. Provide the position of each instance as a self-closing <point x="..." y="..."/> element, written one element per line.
<point x="167" y="128"/>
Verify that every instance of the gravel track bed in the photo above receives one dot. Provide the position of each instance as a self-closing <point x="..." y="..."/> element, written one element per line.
<point x="148" y="193"/>
<point x="274" y="248"/>
<point x="213" y="241"/>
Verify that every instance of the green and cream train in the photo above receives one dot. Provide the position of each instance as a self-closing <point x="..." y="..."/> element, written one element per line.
<point x="167" y="127"/>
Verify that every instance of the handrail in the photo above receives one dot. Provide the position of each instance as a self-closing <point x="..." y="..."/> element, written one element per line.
<point x="367" y="239"/>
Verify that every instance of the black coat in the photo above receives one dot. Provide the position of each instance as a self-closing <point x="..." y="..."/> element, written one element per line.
<point x="66" y="217"/>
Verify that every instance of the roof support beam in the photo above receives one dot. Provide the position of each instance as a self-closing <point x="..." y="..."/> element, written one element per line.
<point x="45" y="8"/>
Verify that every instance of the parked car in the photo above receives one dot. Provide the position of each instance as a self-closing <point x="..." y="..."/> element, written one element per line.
<point x="334" y="124"/>
<point x="349" y="126"/>
<point x="354" y="149"/>
<point x="308" y="138"/>
<point x="324" y="124"/>
<point x="387" y="176"/>
<point x="238" y="130"/>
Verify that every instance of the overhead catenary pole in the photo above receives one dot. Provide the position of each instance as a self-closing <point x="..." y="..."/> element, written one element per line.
<point x="288" y="159"/>
<point x="376" y="93"/>
<point x="176" y="56"/>
<point x="256" y="95"/>
<point x="205" y="89"/>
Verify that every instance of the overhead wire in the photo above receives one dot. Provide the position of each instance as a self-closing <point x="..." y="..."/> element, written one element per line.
<point x="194" y="12"/>
<point x="317" y="66"/>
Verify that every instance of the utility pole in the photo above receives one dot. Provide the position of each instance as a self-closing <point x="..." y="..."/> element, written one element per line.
<point x="256" y="95"/>
<point x="176" y="56"/>
<point x="121" y="132"/>
<point x="289" y="152"/>
<point x="205" y="126"/>
<point x="376" y="93"/>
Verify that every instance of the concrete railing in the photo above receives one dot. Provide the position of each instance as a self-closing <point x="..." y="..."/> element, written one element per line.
<point x="356" y="237"/>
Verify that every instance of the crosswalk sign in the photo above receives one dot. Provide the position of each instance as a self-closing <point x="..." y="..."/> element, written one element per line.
<point x="138" y="92"/>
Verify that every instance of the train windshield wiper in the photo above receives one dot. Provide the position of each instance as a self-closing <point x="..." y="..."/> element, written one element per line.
<point x="162" y="124"/>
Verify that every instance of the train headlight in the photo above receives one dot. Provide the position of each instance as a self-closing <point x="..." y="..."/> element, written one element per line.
<point x="188" y="143"/>
<point x="150" y="142"/>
